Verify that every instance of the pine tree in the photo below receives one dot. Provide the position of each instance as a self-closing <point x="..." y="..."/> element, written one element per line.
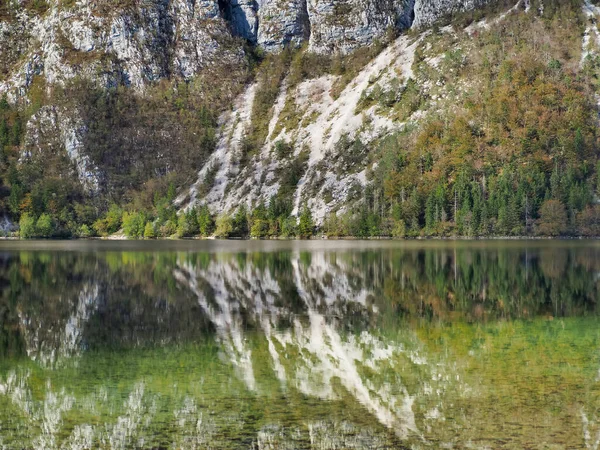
<point x="4" y="137"/>
<point x="579" y="143"/>
<point x="260" y="224"/>
<point x="149" y="231"/>
<point x="240" y="222"/>
<point x="206" y="223"/>
<point x="306" y="226"/>
<point x="4" y="106"/>
<point x="16" y="132"/>
<point x="430" y="213"/>
<point x="555" y="191"/>
<point x="477" y="207"/>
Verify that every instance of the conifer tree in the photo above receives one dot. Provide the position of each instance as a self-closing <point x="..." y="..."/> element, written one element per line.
<point x="306" y="226"/>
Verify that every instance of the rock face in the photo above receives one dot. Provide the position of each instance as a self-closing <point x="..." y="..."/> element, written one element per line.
<point x="338" y="26"/>
<point x="146" y="41"/>
<point x="427" y="12"/>
<point x="283" y="23"/>
<point x="130" y="45"/>
<point x="332" y="25"/>
<point x="52" y="129"/>
<point x="324" y="124"/>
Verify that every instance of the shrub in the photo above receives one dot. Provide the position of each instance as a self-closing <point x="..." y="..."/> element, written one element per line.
<point x="588" y="221"/>
<point x="84" y="231"/>
<point x="399" y="230"/>
<point x="111" y="223"/>
<point x="133" y="224"/>
<point x="168" y="229"/>
<point x="113" y="219"/>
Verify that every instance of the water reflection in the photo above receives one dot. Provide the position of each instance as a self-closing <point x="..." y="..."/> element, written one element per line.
<point x="419" y="347"/>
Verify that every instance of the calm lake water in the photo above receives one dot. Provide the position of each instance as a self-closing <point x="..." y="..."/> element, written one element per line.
<point x="298" y="345"/>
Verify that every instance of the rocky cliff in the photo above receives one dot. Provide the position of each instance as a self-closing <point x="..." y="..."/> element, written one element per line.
<point x="333" y="25"/>
<point x="129" y="44"/>
<point x="138" y="42"/>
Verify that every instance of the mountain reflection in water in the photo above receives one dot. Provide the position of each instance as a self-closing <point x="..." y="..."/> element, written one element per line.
<point x="417" y="346"/>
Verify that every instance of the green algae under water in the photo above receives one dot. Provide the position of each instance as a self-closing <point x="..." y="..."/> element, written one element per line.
<point x="300" y="345"/>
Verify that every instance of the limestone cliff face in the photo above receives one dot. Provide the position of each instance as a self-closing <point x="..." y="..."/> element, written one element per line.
<point x="344" y="26"/>
<point x="143" y="41"/>
<point x="333" y="25"/>
<point x="131" y="45"/>
<point x="427" y="12"/>
<point x="283" y="23"/>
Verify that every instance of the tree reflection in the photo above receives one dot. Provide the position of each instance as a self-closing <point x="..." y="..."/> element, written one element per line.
<point x="406" y="337"/>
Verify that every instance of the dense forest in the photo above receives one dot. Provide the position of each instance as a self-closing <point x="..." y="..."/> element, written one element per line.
<point x="513" y="152"/>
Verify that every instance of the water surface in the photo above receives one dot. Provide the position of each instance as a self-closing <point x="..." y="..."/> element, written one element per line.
<point x="298" y="345"/>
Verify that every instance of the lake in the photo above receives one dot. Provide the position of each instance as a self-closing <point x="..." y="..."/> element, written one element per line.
<point x="300" y="345"/>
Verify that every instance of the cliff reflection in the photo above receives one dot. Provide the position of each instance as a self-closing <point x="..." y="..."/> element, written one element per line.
<point x="359" y="349"/>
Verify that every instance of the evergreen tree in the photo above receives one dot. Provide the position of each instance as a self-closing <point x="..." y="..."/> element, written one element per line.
<point x="555" y="191"/>
<point x="430" y="213"/>
<point x="15" y="198"/>
<point x="306" y="226"/>
<point x="187" y="224"/>
<point x="149" y="231"/>
<point x="4" y="136"/>
<point x="4" y="106"/>
<point x="579" y="143"/>
<point x="260" y="224"/>
<point x="16" y="131"/>
<point x="240" y="222"/>
<point x="477" y="210"/>
<point x="206" y="223"/>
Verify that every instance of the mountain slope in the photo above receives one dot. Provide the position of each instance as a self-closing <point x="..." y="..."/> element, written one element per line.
<point x="481" y="119"/>
<point x="461" y="111"/>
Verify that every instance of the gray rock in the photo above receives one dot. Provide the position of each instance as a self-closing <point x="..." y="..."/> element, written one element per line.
<point x="427" y="12"/>
<point x="343" y="26"/>
<point x="283" y="22"/>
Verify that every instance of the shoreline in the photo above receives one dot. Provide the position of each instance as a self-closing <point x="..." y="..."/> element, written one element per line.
<point x="122" y="238"/>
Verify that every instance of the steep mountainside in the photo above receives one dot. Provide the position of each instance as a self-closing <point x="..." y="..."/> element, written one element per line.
<point x="371" y="117"/>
